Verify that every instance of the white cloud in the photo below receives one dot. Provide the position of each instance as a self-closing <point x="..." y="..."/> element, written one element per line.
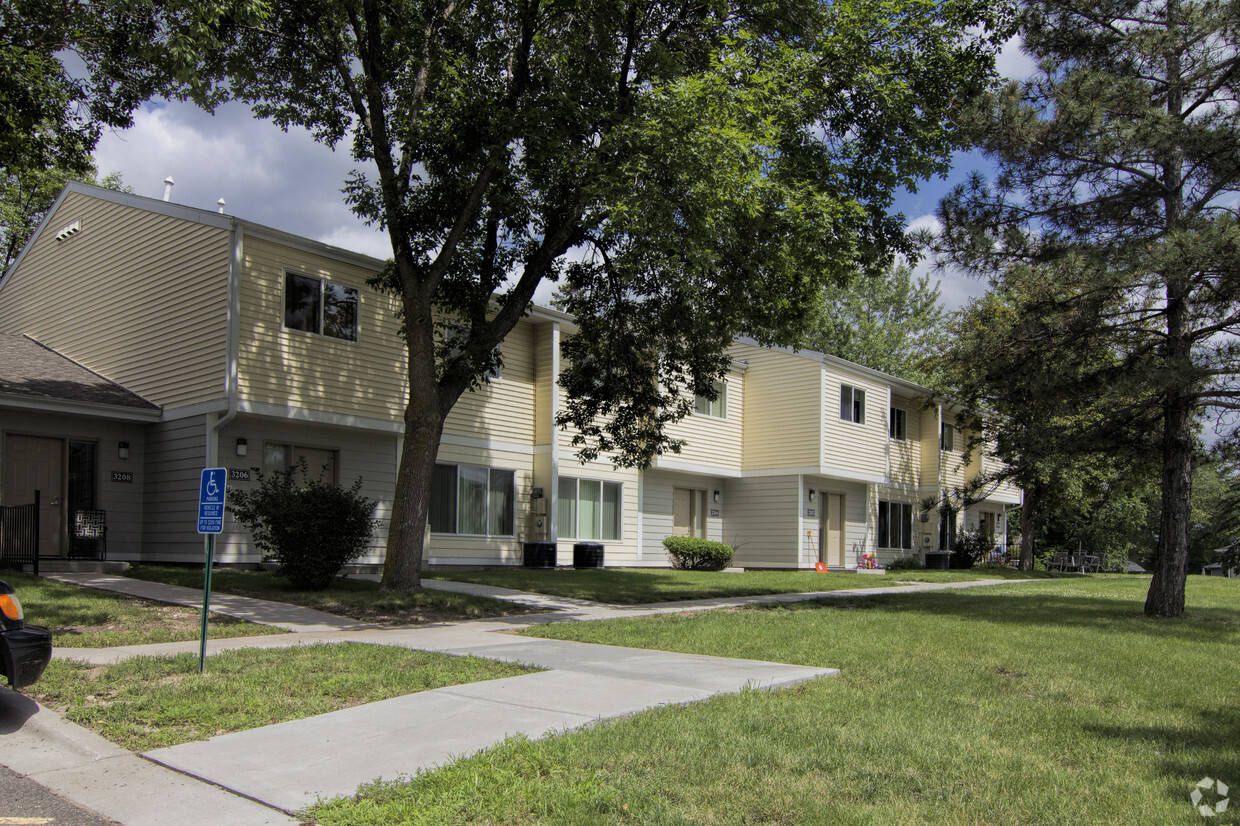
<point x="955" y="287"/>
<point x="1012" y="62"/>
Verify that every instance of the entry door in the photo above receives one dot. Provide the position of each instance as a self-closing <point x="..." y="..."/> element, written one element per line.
<point x="30" y="464"/>
<point x="688" y="512"/>
<point x="831" y="547"/>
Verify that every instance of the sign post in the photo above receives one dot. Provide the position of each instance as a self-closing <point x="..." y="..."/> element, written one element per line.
<point x="211" y="489"/>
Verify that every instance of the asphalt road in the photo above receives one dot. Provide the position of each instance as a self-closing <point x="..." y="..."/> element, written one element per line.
<point x="24" y="802"/>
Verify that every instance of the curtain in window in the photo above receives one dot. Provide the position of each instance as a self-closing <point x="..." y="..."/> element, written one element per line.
<point x="443" y="499"/>
<point x="471" y="486"/>
<point x="566" y="509"/>
<point x="611" y="510"/>
<point x="499" y="506"/>
<point x="589" y="508"/>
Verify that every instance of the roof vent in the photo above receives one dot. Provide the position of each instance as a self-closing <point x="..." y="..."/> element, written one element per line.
<point x="71" y="229"/>
<point x="168" y="182"/>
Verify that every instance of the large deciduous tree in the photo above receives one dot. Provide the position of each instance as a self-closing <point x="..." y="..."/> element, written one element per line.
<point x="51" y="113"/>
<point x="1119" y="167"/>
<point x="688" y="170"/>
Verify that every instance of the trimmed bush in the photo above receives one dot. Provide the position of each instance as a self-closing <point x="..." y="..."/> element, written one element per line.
<point x="690" y="553"/>
<point x="311" y="528"/>
<point x="905" y="563"/>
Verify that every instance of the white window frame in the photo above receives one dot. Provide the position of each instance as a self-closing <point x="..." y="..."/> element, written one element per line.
<point x="717" y="409"/>
<point x="486" y="506"/>
<point x="574" y="503"/>
<point x="903" y="513"/>
<point x="323" y="283"/>
<point x="947" y="437"/>
<point x="897" y="428"/>
<point x="852" y="404"/>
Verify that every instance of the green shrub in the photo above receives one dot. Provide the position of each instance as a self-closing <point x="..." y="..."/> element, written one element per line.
<point x="690" y="553"/>
<point x="905" y="563"/>
<point x="311" y="528"/>
<point x="970" y="548"/>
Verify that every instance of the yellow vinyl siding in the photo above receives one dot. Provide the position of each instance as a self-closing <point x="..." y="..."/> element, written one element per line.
<point x="136" y="296"/>
<point x="712" y="440"/>
<point x="906" y="455"/>
<point x="282" y="367"/>
<point x="504" y="409"/>
<point x="783" y="408"/>
<point x="861" y="448"/>
<point x="929" y="448"/>
<point x="544" y="383"/>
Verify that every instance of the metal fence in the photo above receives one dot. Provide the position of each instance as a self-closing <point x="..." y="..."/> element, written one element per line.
<point x="19" y="535"/>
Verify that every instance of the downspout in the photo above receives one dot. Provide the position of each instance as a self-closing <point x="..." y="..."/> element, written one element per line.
<point x="233" y="323"/>
<point x="553" y="495"/>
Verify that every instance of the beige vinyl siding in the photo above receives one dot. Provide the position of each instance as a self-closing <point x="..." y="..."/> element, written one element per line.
<point x="906" y="455"/>
<point x="929" y="449"/>
<point x="175" y="457"/>
<point x="782" y="408"/>
<point x="292" y="368"/>
<point x="624" y="551"/>
<point x="711" y="440"/>
<point x="359" y="453"/>
<point x="504" y="409"/>
<point x="657" y="509"/>
<point x="121" y="500"/>
<point x="762" y="518"/>
<point x="955" y="470"/>
<point x="860" y="512"/>
<point x="861" y="448"/>
<point x="450" y="549"/>
<point x="544" y="383"/>
<point x="136" y="296"/>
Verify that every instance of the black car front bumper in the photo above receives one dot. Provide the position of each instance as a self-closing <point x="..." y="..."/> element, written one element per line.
<point x="24" y="653"/>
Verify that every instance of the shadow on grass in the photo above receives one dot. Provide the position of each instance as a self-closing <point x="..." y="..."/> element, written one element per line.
<point x="1049" y="609"/>
<point x="1189" y="754"/>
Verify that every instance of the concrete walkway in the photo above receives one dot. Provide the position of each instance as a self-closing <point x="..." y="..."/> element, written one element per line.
<point x="261" y="775"/>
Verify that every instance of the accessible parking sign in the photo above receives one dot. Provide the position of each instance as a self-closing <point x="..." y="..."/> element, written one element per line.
<point x="211" y="500"/>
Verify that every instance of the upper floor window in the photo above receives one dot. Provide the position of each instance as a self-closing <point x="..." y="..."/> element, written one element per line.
<point x="316" y="305"/>
<point x="895" y="525"/>
<point x="718" y="407"/>
<point x="947" y="437"/>
<point x="852" y="404"/>
<point x="898" y="425"/>
<point x="472" y="500"/>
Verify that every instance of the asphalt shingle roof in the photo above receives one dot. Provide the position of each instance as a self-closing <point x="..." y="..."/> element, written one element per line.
<point x="30" y="369"/>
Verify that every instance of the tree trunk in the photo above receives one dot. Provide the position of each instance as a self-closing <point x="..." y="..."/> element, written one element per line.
<point x="1027" y="520"/>
<point x="1166" y="594"/>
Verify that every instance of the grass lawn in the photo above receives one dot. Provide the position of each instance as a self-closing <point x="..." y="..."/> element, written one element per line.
<point x="150" y="702"/>
<point x="1051" y="702"/>
<point x="86" y="618"/>
<point x="359" y="599"/>
<point x="638" y="586"/>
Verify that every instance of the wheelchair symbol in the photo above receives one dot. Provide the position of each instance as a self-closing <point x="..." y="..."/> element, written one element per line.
<point x="212" y="488"/>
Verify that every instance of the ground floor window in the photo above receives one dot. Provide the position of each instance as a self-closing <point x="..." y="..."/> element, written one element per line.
<point x="320" y="462"/>
<point x="472" y="500"/>
<point x="895" y="525"/>
<point x="589" y="509"/>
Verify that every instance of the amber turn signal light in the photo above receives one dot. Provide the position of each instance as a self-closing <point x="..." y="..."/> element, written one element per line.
<point x="10" y="607"/>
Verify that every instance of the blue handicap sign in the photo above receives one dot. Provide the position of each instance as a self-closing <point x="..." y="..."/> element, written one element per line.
<point x="211" y="500"/>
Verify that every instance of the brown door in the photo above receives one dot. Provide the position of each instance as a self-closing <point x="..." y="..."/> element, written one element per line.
<point x="32" y="463"/>
<point x="831" y="546"/>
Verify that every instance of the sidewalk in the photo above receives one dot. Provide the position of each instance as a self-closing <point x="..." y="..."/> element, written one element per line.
<point x="260" y="775"/>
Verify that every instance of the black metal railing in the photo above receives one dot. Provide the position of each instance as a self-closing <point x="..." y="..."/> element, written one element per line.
<point x="19" y="535"/>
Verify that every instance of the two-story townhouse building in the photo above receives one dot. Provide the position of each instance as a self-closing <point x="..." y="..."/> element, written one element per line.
<point x="141" y="341"/>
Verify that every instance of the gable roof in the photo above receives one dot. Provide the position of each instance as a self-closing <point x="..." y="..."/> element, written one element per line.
<point x="35" y="376"/>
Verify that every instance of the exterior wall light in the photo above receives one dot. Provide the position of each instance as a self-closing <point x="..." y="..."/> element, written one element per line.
<point x="122" y="450"/>
<point x="242" y="446"/>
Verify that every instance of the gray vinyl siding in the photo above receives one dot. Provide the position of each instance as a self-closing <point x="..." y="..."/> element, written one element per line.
<point x="175" y="457"/>
<point x="370" y="455"/>
<point x="135" y="295"/>
<point x="657" y="510"/>
<point x="121" y="500"/>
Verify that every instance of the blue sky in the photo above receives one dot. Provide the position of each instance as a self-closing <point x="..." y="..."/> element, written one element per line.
<point x="287" y="181"/>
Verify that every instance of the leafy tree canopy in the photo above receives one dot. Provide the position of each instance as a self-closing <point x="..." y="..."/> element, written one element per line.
<point x="687" y="171"/>
<point x="891" y="322"/>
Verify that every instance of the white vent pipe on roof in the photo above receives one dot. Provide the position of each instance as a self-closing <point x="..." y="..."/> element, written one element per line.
<point x="168" y="182"/>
